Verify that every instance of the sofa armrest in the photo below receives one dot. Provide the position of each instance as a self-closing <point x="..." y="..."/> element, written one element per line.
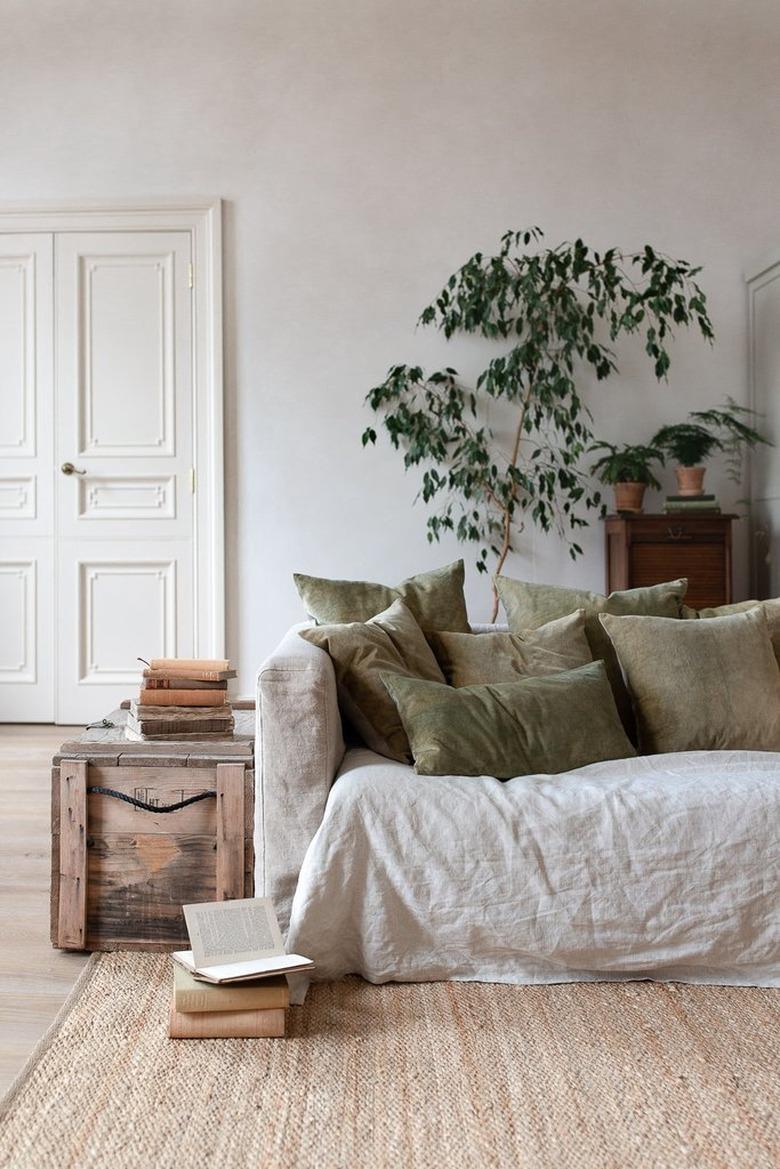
<point x="298" y="751"/>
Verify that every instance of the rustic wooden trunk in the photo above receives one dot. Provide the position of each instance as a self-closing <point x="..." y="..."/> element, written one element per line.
<point x="120" y="874"/>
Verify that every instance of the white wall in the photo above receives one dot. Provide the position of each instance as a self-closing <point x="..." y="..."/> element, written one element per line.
<point x="365" y="148"/>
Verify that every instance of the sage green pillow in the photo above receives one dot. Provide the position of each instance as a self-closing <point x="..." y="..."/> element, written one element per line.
<point x="771" y="610"/>
<point x="700" y="685"/>
<point x="435" y="599"/>
<point x="391" y="643"/>
<point x="536" y="726"/>
<point x="529" y="605"/>
<point x="473" y="659"/>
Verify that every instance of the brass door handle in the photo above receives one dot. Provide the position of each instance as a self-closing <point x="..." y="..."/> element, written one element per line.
<point x="69" y="469"/>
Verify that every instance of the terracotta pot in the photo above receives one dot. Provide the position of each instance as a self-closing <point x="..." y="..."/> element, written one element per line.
<point x="629" y="496"/>
<point x="690" y="480"/>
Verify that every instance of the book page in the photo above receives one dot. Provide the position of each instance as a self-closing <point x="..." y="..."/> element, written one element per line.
<point x="222" y="932"/>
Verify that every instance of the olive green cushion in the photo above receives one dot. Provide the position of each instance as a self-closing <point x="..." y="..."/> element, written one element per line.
<point x="535" y="726"/>
<point x="700" y="685"/>
<point x="529" y="605"/>
<point x="473" y="659"/>
<point x="771" y="610"/>
<point x="362" y="652"/>
<point x="435" y="598"/>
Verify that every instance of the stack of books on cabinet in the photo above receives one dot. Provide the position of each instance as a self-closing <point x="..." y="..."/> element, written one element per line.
<point x="238" y="1010"/>
<point x="691" y="504"/>
<point x="181" y="699"/>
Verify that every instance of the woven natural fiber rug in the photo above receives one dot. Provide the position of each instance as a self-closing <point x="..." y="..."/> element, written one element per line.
<point x="439" y="1075"/>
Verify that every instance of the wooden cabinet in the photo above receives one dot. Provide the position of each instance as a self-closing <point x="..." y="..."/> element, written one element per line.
<point x="649" y="549"/>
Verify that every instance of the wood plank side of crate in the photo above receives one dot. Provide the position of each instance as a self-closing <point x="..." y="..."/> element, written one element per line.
<point x="230" y="830"/>
<point x="249" y="833"/>
<point x="54" y="887"/>
<point x="152" y="785"/>
<point x="72" y="906"/>
<point x="138" y="883"/>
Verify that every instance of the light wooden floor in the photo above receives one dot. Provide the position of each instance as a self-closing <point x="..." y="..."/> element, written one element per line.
<point x="34" y="978"/>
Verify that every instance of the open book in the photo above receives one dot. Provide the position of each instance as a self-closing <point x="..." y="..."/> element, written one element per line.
<point x="235" y="940"/>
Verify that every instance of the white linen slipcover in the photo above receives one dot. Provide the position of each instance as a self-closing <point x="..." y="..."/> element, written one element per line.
<point x="663" y="867"/>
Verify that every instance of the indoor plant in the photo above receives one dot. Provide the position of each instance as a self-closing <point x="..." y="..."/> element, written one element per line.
<point x="554" y="312"/>
<point x="691" y="443"/>
<point x="627" y="469"/>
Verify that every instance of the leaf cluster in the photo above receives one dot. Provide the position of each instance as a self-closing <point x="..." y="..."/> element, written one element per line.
<point x="723" y="428"/>
<point x="626" y="464"/>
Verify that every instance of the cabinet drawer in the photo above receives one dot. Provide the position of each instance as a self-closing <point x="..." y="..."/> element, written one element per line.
<point x="672" y="530"/>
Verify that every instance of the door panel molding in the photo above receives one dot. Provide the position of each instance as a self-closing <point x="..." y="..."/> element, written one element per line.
<point x="17" y="351"/>
<point x="155" y="584"/>
<point x="125" y="497"/>
<point x="19" y="604"/>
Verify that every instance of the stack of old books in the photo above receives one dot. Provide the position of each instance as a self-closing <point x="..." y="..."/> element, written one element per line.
<point x="239" y="1010"/>
<point x="231" y="984"/>
<point x="690" y="504"/>
<point x="182" y="698"/>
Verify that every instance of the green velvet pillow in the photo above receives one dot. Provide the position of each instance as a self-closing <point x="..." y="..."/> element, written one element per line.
<point x="536" y="726"/>
<point x="529" y="605"/>
<point x="391" y="643"/>
<point x="700" y="685"/>
<point x="771" y="610"/>
<point x="435" y="598"/>
<point x="473" y="659"/>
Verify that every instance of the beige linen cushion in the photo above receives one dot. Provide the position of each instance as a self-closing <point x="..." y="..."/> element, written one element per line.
<point x="390" y="643"/>
<point x="771" y="610"/>
<point x="470" y="659"/>
<point x="534" y="726"/>
<point x="700" y="685"/>
<point x="436" y="598"/>
<point x="529" y="605"/>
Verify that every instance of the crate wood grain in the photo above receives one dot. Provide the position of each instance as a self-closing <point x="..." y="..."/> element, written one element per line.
<point x="120" y="874"/>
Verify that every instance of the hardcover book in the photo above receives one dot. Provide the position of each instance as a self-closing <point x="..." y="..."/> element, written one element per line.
<point x="233" y="941"/>
<point x="226" y="1024"/>
<point x="193" y="994"/>
<point x="148" y="697"/>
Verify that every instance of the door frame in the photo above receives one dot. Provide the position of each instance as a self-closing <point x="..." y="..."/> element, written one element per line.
<point x="758" y="274"/>
<point x="202" y="218"/>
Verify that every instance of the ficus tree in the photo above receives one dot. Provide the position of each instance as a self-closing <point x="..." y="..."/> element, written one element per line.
<point x="553" y="313"/>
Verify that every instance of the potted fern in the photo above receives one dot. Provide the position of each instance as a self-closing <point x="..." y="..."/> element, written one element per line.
<point x="691" y="443"/>
<point x="627" y="468"/>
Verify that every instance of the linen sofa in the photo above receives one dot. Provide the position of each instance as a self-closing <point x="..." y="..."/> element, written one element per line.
<point x="664" y="866"/>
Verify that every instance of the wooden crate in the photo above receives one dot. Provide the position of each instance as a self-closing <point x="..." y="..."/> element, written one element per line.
<point x="120" y="873"/>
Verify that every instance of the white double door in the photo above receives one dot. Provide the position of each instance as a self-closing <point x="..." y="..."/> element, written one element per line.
<point x="96" y="466"/>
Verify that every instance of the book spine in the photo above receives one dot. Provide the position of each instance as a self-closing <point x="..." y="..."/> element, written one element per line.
<point x="176" y="736"/>
<point x="679" y="508"/>
<point x="227" y="1024"/>
<point x="182" y="684"/>
<point x="178" y="728"/>
<point x="179" y="665"/>
<point x="148" y="697"/>
<point x="207" y="718"/>
<point x="192" y="714"/>
<point x="689" y="498"/>
<point x="199" y="675"/>
<point x="230" y="998"/>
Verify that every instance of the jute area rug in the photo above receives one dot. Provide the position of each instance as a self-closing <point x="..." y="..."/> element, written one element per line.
<point x="439" y="1075"/>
